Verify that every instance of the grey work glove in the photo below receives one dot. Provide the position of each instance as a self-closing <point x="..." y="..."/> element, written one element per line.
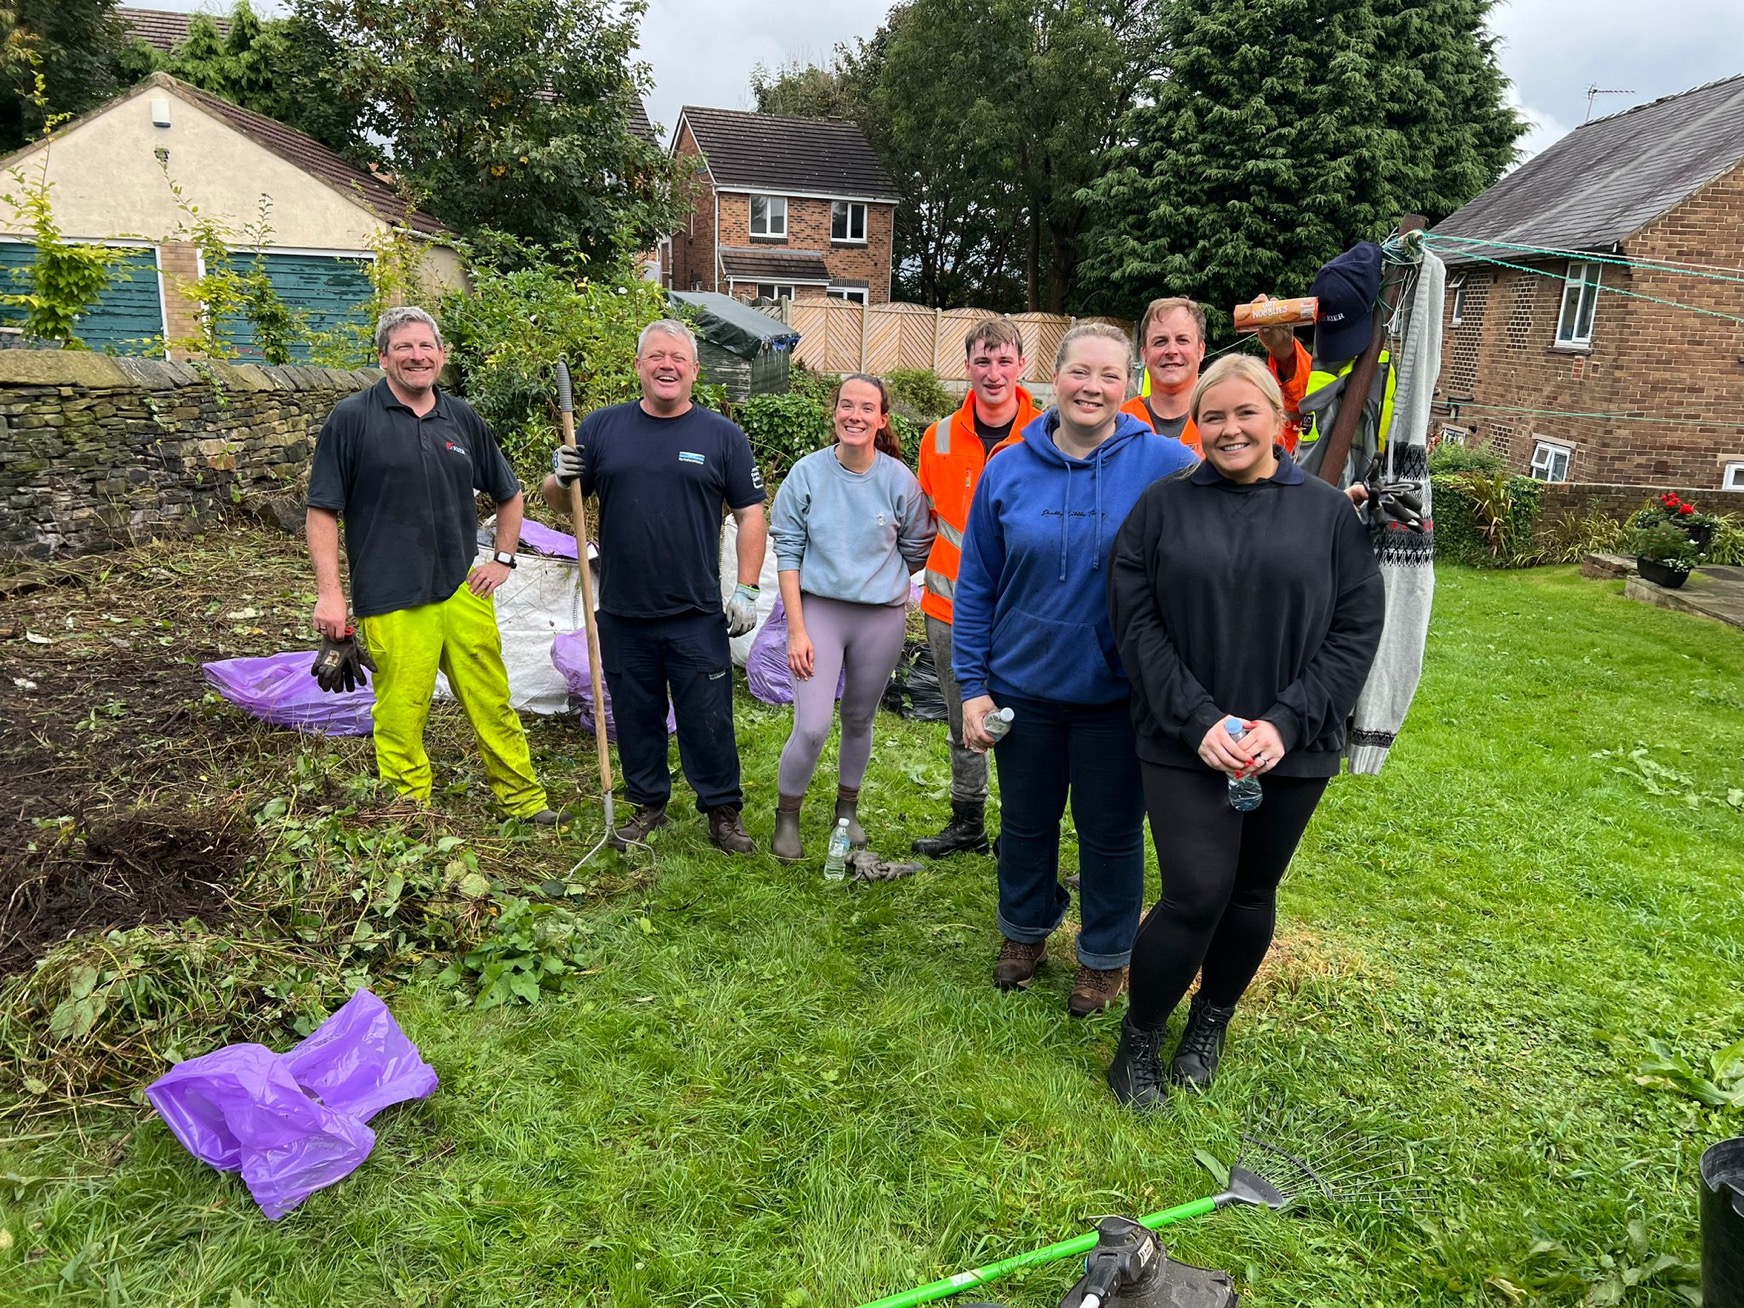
<point x="742" y="610"/>
<point x="566" y="465"/>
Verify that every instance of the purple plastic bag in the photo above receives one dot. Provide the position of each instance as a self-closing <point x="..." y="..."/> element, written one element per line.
<point x="292" y="1123"/>
<point x="569" y="657"/>
<point x="541" y="539"/>
<point x="766" y="668"/>
<point x="279" y="689"/>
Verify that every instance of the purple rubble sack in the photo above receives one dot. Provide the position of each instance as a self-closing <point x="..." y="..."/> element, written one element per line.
<point x="569" y="657"/>
<point x="292" y="1123"/>
<point x="766" y="670"/>
<point x="279" y="689"/>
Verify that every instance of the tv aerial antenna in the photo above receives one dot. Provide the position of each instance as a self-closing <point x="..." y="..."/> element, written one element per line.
<point x="1595" y="90"/>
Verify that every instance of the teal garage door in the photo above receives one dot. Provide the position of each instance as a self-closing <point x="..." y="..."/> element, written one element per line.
<point x="128" y="316"/>
<point x="330" y="291"/>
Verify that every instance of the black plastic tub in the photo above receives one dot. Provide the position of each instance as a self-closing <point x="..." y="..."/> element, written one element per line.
<point x="1723" y="1225"/>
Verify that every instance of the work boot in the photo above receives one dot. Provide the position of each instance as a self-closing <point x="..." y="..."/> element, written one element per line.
<point x="552" y="817"/>
<point x="1196" y="1057"/>
<point x="1136" y="1073"/>
<point x="966" y="831"/>
<point x="727" y="833"/>
<point x="644" y="820"/>
<point x="787" y="845"/>
<point x="1016" y="965"/>
<point x="1095" y="989"/>
<point x="848" y="806"/>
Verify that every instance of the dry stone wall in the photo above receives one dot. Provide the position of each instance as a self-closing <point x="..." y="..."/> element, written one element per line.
<point x="98" y="451"/>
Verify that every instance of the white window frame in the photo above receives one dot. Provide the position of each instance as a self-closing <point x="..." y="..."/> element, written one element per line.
<point x="1455" y="435"/>
<point x="1458" y="288"/>
<point x="1732" y="478"/>
<point x="845" y="211"/>
<point x="779" y="291"/>
<point x="774" y="217"/>
<point x="1546" y="455"/>
<point x="853" y="294"/>
<point x="1580" y="304"/>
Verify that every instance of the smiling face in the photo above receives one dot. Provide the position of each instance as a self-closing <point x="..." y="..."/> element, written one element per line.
<point x="859" y="416"/>
<point x="1173" y="350"/>
<point x="666" y="367"/>
<point x="413" y="360"/>
<point x="1090" y="383"/>
<point x="1237" y="429"/>
<point x="994" y="371"/>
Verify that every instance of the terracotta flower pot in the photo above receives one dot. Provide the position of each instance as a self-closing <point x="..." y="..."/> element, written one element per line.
<point x="1659" y="574"/>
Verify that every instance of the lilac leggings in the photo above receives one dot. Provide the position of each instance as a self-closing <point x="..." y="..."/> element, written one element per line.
<point x="864" y="641"/>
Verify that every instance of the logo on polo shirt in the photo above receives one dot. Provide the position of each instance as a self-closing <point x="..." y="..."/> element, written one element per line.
<point x="458" y="449"/>
<point x="686" y="456"/>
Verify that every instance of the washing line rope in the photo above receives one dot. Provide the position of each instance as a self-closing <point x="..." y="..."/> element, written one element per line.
<point x="1706" y="272"/>
<point x="1463" y="405"/>
<point x="1610" y="290"/>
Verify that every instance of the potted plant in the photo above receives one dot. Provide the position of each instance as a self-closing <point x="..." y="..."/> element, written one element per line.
<point x="1664" y="553"/>
<point x="1672" y="508"/>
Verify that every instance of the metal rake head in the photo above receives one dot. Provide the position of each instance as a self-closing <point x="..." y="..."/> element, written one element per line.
<point x="1300" y="1156"/>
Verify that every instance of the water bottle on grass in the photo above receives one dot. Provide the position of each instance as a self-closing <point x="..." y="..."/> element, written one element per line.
<point x="1244" y="792"/>
<point x="836" y="863"/>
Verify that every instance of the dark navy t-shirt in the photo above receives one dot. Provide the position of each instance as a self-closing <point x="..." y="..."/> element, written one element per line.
<point x="404" y="486"/>
<point x="661" y="483"/>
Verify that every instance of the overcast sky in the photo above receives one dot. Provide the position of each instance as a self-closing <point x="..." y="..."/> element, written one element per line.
<point x="702" y="51"/>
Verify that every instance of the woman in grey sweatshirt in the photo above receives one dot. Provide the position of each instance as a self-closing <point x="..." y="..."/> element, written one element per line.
<point x="850" y="523"/>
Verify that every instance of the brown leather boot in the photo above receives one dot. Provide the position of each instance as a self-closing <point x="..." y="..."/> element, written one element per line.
<point x="727" y="833"/>
<point x="1095" y="989"/>
<point x="1016" y="965"/>
<point x="643" y="821"/>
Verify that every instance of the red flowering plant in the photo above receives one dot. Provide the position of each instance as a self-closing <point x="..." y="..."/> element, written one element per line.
<point x="1673" y="508"/>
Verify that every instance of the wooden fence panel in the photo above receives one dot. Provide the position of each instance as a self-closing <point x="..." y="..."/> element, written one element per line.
<point x="840" y="336"/>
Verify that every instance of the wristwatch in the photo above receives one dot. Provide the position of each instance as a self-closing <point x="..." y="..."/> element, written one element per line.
<point x="507" y="560"/>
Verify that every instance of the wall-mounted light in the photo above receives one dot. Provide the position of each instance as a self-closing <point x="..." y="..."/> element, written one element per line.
<point x="160" y="111"/>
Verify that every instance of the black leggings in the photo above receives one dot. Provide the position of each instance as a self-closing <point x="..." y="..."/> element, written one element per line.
<point x="1220" y="872"/>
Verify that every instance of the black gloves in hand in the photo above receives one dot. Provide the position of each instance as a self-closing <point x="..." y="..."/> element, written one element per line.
<point x="1393" y="502"/>
<point x="566" y="464"/>
<point x="339" y="664"/>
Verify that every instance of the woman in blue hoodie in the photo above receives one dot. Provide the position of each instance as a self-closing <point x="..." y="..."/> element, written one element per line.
<point x="1032" y="635"/>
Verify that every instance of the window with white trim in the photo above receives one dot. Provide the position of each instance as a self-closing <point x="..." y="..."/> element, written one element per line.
<point x="1580" y="297"/>
<point x="848" y="221"/>
<point x="1457" y="286"/>
<point x="1733" y="477"/>
<point x="769" y="215"/>
<point x="1550" y="461"/>
<point x="1454" y="435"/>
<point x="856" y="294"/>
<point x="774" y="291"/>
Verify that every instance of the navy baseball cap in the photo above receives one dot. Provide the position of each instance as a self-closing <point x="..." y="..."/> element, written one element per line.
<point x="1347" y="288"/>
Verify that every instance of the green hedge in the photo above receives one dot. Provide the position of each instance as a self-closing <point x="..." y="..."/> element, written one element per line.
<point x="1485" y="519"/>
<point x="783" y="429"/>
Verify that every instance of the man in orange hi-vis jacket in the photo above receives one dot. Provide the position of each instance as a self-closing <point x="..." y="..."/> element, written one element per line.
<point x="1171" y="340"/>
<point x="952" y="454"/>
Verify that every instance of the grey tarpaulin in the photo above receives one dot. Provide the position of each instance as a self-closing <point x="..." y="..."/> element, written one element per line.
<point x="746" y="351"/>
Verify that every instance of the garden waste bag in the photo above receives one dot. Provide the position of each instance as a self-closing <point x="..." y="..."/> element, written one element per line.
<point x="292" y="1123"/>
<point x="279" y="689"/>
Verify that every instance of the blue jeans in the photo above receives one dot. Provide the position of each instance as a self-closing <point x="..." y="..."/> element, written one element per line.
<point x="1086" y="751"/>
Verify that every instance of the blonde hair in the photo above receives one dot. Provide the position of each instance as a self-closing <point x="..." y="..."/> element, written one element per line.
<point x="1239" y="367"/>
<point x="1092" y="331"/>
<point x="1168" y="304"/>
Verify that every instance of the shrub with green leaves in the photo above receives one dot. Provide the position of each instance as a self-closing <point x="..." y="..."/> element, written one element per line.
<point x="783" y="429"/>
<point x="1485" y="519"/>
<point x="1449" y="457"/>
<point x="505" y="335"/>
<point x="919" y="391"/>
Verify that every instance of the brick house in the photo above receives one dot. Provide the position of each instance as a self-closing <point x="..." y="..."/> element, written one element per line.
<point x="1567" y="362"/>
<point x="792" y="208"/>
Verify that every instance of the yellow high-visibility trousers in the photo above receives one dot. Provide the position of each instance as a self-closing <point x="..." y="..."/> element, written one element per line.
<point x="459" y="637"/>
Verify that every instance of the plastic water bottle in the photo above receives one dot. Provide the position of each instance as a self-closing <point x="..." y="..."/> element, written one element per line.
<point x="836" y="864"/>
<point x="1244" y="792"/>
<point x="998" y="722"/>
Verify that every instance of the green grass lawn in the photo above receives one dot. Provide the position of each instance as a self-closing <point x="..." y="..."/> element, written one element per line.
<point x="769" y="1090"/>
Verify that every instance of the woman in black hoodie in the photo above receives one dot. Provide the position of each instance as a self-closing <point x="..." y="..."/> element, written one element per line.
<point x="1243" y="595"/>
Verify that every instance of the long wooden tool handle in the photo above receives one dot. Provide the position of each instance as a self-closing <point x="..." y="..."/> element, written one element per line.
<point x="578" y="514"/>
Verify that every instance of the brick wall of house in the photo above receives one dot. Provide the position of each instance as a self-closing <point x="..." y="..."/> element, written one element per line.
<point x="808" y="228"/>
<point x="693" y="254"/>
<point x="1684" y="371"/>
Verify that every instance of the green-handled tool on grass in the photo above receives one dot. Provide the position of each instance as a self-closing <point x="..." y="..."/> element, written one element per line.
<point x="1323" y="1162"/>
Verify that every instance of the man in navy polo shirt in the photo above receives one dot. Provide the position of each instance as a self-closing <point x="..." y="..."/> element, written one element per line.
<point x="401" y="463"/>
<point x="663" y="468"/>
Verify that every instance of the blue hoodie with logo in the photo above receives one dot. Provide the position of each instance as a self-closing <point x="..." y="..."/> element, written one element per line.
<point x="1031" y="608"/>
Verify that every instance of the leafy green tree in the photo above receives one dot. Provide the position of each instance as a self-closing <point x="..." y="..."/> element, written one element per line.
<point x="511" y="115"/>
<point x="64" y="279"/>
<point x="1284" y="132"/>
<point x="56" y="59"/>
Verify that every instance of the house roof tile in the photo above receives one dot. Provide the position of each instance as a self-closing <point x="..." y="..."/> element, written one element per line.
<point x="1609" y="178"/>
<point x="163" y="29"/>
<point x="788" y="155"/>
<point x="774" y="265"/>
<point x="308" y="154"/>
